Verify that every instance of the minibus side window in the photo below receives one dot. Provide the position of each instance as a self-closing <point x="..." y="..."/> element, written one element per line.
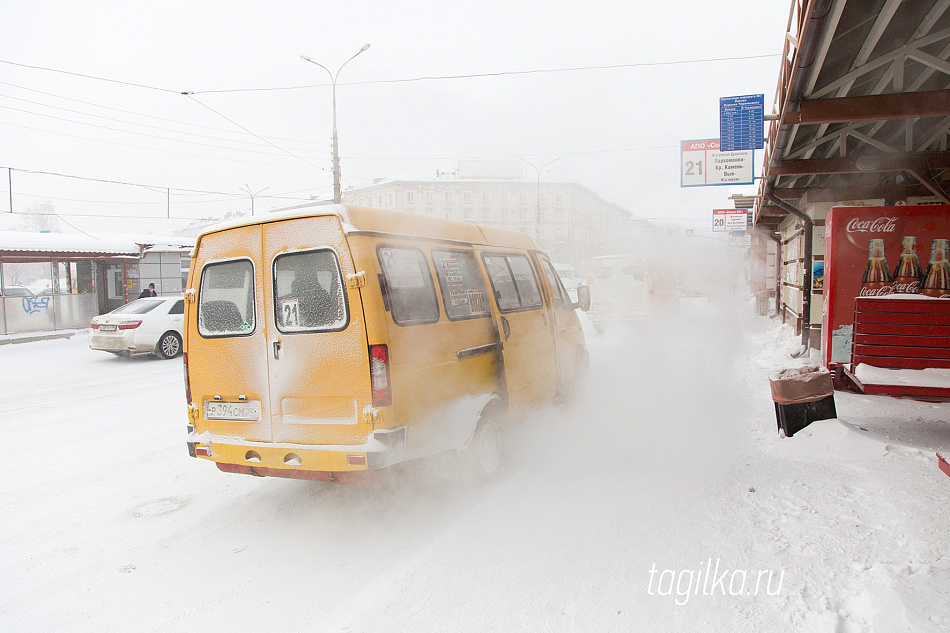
<point x="513" y="282"/>
<point x="409" y="285"/>
<point x="226" y="299"/>
<point x="463" y="289"/>
<point x="560" y="295"/>
<point x="308" y="292"/>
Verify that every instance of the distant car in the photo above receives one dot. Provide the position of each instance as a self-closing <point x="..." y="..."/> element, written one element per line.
<point x="151" y="325"/>
<point x="17" y="291"/>
<point x="568" y="275"/>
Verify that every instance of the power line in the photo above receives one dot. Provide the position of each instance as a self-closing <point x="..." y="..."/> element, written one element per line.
<point x="502" y="73"/>
<point x="413" y="79"/>
<point x="288" y="152"/>
<point x="153" y="149"/>
<point x="66" y="72"/>
<point x="147" y="116"/>
<point x="161" y="138"/>
<point x="145" y="125"/>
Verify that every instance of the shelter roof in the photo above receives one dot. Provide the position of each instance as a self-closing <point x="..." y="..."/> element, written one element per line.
<point x="17" y="245"/>
<point x="863" y="105"/>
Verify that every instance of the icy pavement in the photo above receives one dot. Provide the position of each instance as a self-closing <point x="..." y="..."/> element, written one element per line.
<point x="663" y="500"/>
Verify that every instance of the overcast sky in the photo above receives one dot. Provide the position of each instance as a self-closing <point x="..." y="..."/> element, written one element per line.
<point x="92" y="91"/>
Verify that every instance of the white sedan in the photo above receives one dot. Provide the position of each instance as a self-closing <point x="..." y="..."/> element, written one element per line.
<point x="151" y="325"/>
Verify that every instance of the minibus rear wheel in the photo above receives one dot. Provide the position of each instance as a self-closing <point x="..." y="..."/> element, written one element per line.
<point x="481" y="459"/>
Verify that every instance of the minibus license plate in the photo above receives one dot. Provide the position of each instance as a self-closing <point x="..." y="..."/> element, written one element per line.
<point x="246" y="410"/>
<point x="107" y="328"/>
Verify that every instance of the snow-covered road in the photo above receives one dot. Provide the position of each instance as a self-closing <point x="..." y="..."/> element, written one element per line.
<point x="650" y="504"/>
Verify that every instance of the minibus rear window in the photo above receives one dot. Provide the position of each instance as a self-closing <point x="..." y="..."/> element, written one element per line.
<point x="226" y="299"/>
<point x="408" y="285"/>
<point x="463" y="290"/>
<point x="308" y="292"/>
<point x="513" y="282"/>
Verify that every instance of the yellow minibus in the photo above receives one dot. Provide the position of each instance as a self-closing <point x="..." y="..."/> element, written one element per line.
<point x="329" y="342"/>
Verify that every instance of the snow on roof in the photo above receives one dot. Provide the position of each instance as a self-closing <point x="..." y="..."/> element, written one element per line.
<point x="20" y="241"/>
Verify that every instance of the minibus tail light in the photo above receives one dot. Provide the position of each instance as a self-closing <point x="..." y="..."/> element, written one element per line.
<point x="379" y="374"/>
<point x="184" y="359"/>
<point x="131" y="325"/>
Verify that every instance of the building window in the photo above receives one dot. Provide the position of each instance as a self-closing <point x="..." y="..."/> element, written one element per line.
<point x="523" y="198"/>
<point x="391" y="199"/>
<point x="430" y="212"/>
<point x="486" y="198"/>
<point x="429" y="198"/>
<point x="504" y="214"/>
<point x="448" y="214"/>
<point x="410" y="197"/>
<point x="486" y="215"/>
<point x="522" y="215"/>
<point x="558" y="198"/>
<point x="504" y="197"/>
<point x="467" y="214"/>
<point x="466" y="197"/>
<point x="448" y="196"/>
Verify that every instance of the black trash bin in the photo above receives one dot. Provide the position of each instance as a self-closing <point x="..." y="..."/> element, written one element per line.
<point x="802" y="395"/>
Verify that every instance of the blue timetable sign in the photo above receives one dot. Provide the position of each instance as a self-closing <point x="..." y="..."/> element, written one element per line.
<point x="742" y="122"/>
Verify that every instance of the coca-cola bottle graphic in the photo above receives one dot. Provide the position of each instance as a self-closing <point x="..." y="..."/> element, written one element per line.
<point x="907" y="274"/>
<point x="937" y="279"/>
<point x="877" y="280"/>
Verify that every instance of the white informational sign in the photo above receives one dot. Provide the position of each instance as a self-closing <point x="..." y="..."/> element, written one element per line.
<point x="704" y="165"/>
<point x="730" y="219"/>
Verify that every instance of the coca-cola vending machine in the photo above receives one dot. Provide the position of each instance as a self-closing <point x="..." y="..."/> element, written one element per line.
<point x="878" y="251"/>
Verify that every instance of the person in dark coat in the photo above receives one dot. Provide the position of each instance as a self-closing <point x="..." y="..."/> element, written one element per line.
<point x="148" y="292"/>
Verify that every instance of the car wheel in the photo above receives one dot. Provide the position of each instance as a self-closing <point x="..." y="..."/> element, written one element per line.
<point x="482" y="458"/>
<point x="169" y="345"/>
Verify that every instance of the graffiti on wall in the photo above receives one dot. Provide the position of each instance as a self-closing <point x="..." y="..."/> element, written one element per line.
<point x="33" y="305"/>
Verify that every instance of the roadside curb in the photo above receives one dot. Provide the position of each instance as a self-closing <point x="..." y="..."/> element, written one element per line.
<point x="10" y="340"/>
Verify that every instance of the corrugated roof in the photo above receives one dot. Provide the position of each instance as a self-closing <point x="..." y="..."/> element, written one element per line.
<point x="18" y="242"/>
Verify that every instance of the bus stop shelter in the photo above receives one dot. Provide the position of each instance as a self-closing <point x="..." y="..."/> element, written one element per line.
<point x="52" y="281"/>
<point x="861" y="118"/>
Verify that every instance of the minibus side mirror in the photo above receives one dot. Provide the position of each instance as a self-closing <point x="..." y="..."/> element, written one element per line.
<point x="583" y="298"/>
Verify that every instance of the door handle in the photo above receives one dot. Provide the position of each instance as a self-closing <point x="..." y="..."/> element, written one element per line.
<point x="276" y="350"/>
<point x="506" y="327"/>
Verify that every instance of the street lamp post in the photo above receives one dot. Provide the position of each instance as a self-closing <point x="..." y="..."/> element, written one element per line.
<point x="247" y="188"/>
<point x="538" y="197"/>
<point x="335" y="147"/>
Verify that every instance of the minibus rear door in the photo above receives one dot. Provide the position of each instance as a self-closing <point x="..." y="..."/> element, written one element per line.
<point x="317" y="349"/>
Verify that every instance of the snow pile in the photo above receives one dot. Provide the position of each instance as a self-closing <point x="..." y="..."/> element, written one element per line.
<point x="930" y="377"/>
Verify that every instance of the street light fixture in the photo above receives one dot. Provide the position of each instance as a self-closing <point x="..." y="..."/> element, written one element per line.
<point x="247" y="188"/>
<point x="538" y="197"/>
<point x="336" y="149"/>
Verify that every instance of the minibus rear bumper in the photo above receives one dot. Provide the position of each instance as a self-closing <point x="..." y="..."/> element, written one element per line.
<point x="324" y="462"/>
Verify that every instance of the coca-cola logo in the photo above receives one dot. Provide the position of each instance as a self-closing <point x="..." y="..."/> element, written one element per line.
<point x="908" y="288"/>
<point x="876" y="292"/>
<point x="877" y="225"/>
